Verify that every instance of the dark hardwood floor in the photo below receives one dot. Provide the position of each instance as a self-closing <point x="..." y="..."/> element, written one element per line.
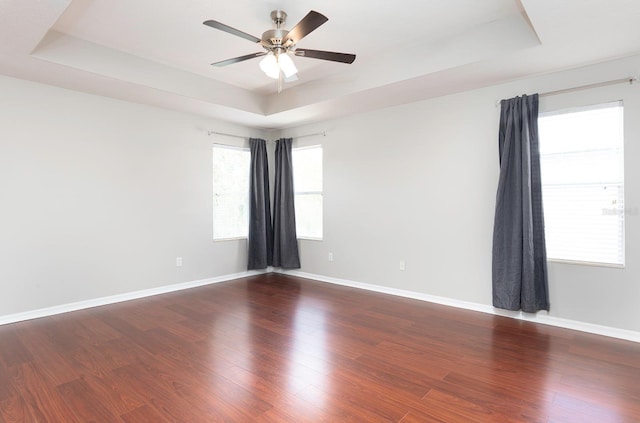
<point x="275" y="348"/>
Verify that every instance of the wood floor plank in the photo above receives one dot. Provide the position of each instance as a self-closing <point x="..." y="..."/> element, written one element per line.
<point x="202" y="386"/>
<point x="618" y="404"/>
<point x="122" y="352"/>
<point x="163" y="397"/>
<point x="85" y="403"/>
<point x="571" y="409"/>
<point x="50" y="359"/>
<point x="418" y="417"/>
<point x="12" y="351"/>
<point x="347" y="403"/>
<point x="449" y="407"/>
<point x="114" y="394"/>
<point x="6" y="390"/>
<point x="144" y="414"/>
<point x="36" y="400"/>
<point x="273" y="368"/>
<point x="291" y="404"/>
<point x="16" y="409"/>
<point x="276" y="348"/>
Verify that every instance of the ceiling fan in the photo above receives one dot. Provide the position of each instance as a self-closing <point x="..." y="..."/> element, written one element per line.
<point x="278" y="42"/>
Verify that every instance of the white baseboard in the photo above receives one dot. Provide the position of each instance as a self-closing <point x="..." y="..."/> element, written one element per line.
<point x="81" y="305"/>
<point x="541" y="317"/>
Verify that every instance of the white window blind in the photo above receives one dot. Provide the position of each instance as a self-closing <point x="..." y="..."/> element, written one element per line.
<point x="230" y="192"/>
<point x="307" y="182"/>
<point x="582" y="169"/>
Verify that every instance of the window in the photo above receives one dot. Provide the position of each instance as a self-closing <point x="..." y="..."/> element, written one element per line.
<point x="230" y="192"/>
<point x="307" y="182"/>
<point x="581" y="160"/>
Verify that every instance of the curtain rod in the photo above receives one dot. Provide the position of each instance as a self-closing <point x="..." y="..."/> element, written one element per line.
<point x="226" y="135"/>
<point x="630" y="80"/>
<point x="323" y="133"/>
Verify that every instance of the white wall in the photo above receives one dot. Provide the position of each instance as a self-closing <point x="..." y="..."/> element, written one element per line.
<point x="417" y="183"/>
<point x="99" y="197"/>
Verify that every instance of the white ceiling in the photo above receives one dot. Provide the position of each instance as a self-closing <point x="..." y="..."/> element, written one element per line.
<point x="158" y="52"/>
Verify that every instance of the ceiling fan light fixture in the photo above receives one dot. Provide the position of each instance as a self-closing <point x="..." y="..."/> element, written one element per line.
<point x="286" y="65"/>
<point x="269" y="66"/>
<point x="278" y="42"/>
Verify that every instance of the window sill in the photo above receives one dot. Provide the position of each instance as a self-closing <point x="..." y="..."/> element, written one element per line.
<point x="587" y="263"/>
<point x="229" y="239"/>
<point x="308" y="238"/>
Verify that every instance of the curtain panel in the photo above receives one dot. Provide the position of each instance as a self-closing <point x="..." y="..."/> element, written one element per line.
<point x="519" y="254"/>
<point x="260" y="242"/>
<point x="285" y="243"/>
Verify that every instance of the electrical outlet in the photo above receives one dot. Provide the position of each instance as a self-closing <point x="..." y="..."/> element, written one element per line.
<point x="330" y="257"/>
<point x="402" y="265"/>
<point x="178" y="261"/>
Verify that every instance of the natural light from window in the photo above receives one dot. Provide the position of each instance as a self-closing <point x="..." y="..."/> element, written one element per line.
<point x="307" y="182"/>
<point x="230" y="192"/>
<point x="582" y="170"/>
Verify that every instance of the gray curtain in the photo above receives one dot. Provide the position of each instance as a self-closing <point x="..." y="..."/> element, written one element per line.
<point x="285" y="242"/>
<point x="260" y="254"/>
<point x="519" y="254"/>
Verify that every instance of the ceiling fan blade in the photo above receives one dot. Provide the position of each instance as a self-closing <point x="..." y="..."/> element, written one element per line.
<point x="239" y="59"/>
<point x="326" y="55"/>
<point x="232" y="31"/>
<point x="309" y="23"/>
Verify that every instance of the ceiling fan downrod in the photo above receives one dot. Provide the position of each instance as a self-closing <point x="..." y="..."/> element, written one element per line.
<point x="278" y="17"/>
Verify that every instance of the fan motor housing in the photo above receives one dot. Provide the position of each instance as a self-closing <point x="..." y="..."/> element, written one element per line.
<point x="274" y="37"/>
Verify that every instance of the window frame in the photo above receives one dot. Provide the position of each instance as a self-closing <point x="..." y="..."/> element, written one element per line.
<point x="321" y="193"/>
<point x="213" y="191"/>
<point x="598" y="105"/>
